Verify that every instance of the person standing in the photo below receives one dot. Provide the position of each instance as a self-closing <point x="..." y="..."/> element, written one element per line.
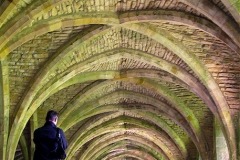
<point x="45" y="138"/>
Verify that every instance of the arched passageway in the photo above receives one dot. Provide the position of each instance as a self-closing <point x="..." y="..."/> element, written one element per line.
<point x="131" y="79"/>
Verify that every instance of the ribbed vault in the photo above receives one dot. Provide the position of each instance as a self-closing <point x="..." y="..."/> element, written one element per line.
<point x="137" y="80"/>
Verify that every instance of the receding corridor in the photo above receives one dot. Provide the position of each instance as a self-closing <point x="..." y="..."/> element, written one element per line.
<point x="131" y="79"/>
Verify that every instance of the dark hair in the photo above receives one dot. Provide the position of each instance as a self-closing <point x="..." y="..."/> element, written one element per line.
<point x="51" y="115"/>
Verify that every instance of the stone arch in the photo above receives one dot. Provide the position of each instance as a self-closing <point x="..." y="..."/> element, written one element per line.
<point x="226" y="117"/>
<point x="136" y="143"/>
<point x="98" y="144"/>
<point x="216" y="15"/>
<point x="108" y="128"/>
<point x="170" y="113"/>
<point x="48" y="92"/>
<point x="204" y="76"/>
<point x="208" y="13"/>
<point x="132" y="154"/>
<point x="26" y="20"/>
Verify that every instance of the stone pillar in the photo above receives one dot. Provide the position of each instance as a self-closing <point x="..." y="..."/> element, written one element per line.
<point x="4" y="108"/>
<point x="221" y="148"/>
<point x="34" y="125"/>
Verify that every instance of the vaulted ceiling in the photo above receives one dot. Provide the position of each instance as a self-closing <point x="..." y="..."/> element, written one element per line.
<point x="131" y="79"/>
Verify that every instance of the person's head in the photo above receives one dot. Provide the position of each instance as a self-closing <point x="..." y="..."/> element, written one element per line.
<point x="52" y="116"/>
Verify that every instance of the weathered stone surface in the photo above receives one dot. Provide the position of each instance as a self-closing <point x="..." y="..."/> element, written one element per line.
<point x="158" y="71"/>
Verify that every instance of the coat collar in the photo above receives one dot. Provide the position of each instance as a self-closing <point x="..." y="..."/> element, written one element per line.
<point x="49" y="123"/>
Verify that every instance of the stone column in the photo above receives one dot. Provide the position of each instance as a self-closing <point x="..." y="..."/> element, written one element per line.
<point x="34" y="125"/>
<point x="4" y="108"/>
<point x="221" y="148"/>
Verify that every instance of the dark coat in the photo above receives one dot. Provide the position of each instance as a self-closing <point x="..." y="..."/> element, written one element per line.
<point x="45" y="139"/>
